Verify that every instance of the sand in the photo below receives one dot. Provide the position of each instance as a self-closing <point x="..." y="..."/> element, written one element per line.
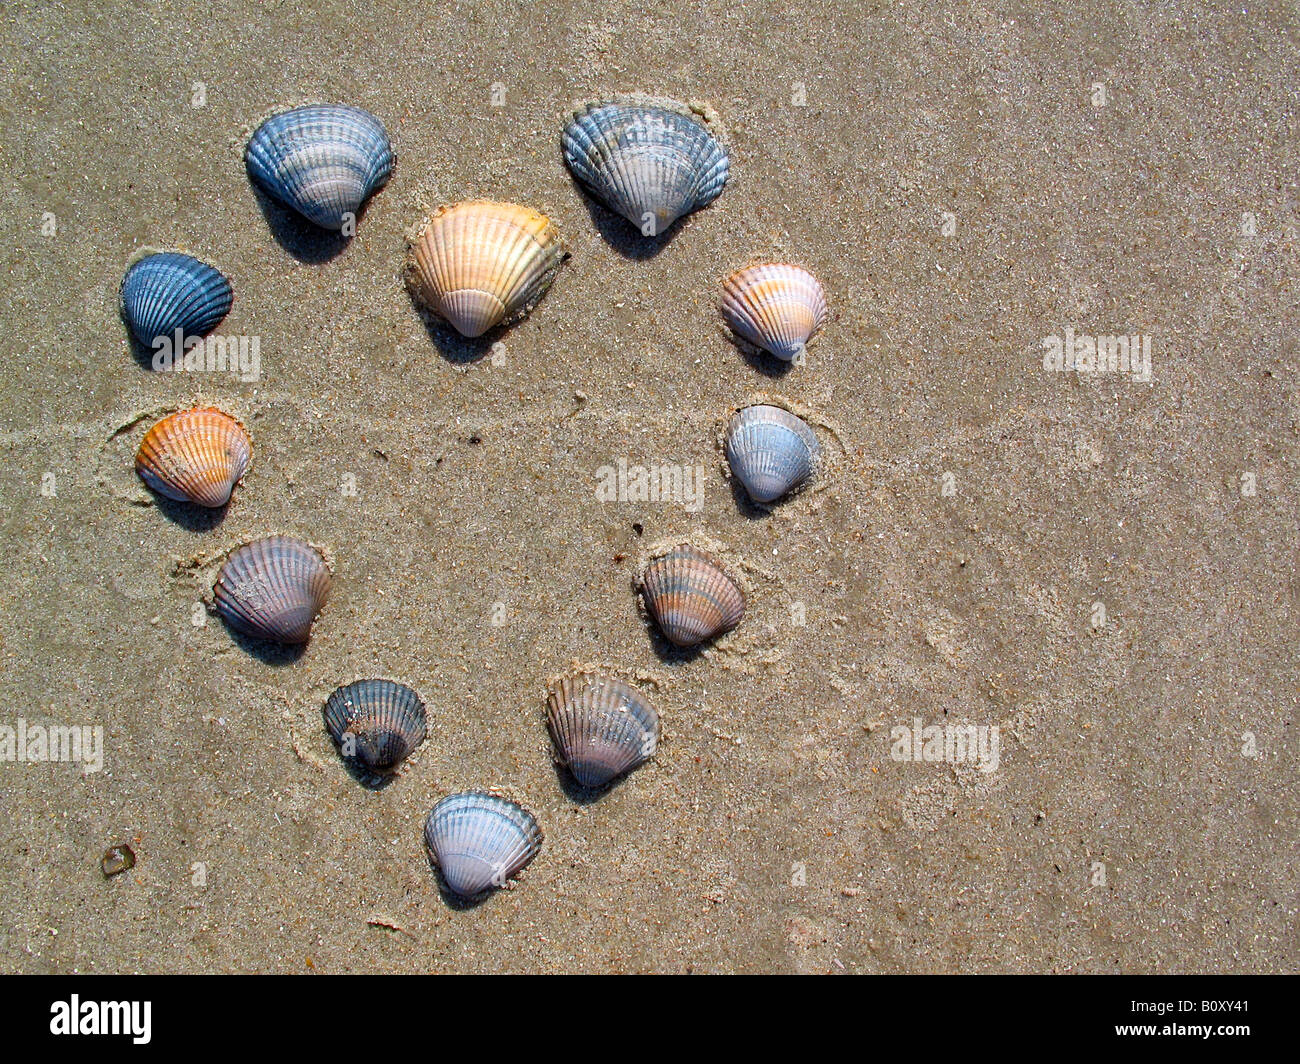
<point x="1106" y="169"/>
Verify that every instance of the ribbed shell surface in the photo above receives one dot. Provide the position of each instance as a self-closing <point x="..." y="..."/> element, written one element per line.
<point x="690" y="596"/>
<point x="649" y="164"/>
<point x="480" y="840"/>
<point x="771" y="451"/>
<point x="601" y="726"/>
<point x="480" y="263"/>
<point x="273" y="588"/>
<point x="195" y="456"/>
<point x="382" y="720"/>
<point x="167" y="291"/>
<point x="775" y="305"/>
<point x="322" y="160"/>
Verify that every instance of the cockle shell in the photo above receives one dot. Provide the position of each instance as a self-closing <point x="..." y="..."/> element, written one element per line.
<point x="167" y="291"/>
<point x="775" y="305"/>
<point x="376" y="723"/>
<point x="651" y="164"/>
<point x="771" y="451"/>
<point x="195" y="456"/>
<point x="323" y="161"/>
<point x="690" y="595"/>
<point x="480" y="263"/>
<point x="479" y="840"/>
<point x="273" y="588"/>
<point x="601" y="726"/>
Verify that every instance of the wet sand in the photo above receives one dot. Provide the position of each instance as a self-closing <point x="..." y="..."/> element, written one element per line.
<point x="964" y="190"/>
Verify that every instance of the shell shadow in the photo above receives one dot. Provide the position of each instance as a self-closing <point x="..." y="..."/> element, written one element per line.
<point x="666" y="650"/>
<point x="305" y="242"/>
<point x="371" y="781"/>
<point x="576" y="792"/>
<point x="746" y="506"/>
<point x="767" y="364"/>
<point x="190" y="515"/>
<point x="265" y="650"/>
<point x="450" y="898"/>
<point x="140" y="351"/>
<point x="620" y="234"/>
<point x="456" y="349"/>
<point x="142" y="354"/>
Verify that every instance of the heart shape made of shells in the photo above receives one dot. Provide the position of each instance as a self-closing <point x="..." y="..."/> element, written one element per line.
<point x="478" y="266"/>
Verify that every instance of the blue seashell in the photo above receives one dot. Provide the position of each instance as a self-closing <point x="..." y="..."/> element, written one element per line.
<point x="479" y="840"/>
<point x="771" y="451"/>
<point x="650" y="164"/>
<point x="323" y="161"/>
<point x="167" y="291"/>
<point x="376" y="723"/>
<point x="601" y="726"/>
<point x="272" y="589"/>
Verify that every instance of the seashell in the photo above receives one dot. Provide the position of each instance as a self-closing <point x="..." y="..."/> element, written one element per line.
<point x="771" y="451"/>
<point x="273" y="588"/>
<point x="775" y="305"/>
<point x="650" y="164"/>
<point x="376" y="723"/>
<point x="195" y="456"/>
<point x="601" y="727"/>
<point x="480" y="263"/>
<point x="167" y="291"/>
<point x="479" y="840"/>
<point x="690" y="596"/>
<point x="323" y="161"/>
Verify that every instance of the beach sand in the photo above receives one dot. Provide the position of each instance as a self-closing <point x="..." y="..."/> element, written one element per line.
<point x="966" y="181"/>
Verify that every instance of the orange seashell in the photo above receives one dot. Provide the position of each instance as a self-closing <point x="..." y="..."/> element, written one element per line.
<point x="195" y="456"/>
<point x="481" y="263"/>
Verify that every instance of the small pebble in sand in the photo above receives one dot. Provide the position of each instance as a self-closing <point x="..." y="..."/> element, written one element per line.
<point x="117" y="859"/>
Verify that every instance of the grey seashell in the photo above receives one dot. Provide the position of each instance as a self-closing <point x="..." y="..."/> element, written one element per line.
<point x="376" y="723"/>
<point x="479" y="840"/>
<point x="650" y="164"/>
<point x="690" y="595"/>
<point x="601" y="727"/>
<point x="272" y="589"/>
<point x="771" y="451"/>
<point x="167" y="291"/>
<point x="323" y="161"/>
